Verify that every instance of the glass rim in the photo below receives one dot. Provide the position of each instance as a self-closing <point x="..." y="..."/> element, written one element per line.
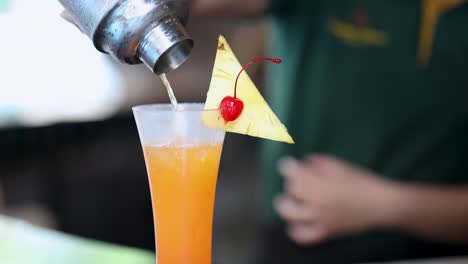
<point x="168" y="108"/>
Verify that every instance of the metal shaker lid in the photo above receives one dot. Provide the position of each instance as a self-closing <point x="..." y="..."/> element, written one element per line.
<point x="166" y="46"/>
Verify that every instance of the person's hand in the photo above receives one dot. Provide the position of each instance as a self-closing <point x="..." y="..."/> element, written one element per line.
<point x="227" y="8"/>
<point x="325" y="198"/>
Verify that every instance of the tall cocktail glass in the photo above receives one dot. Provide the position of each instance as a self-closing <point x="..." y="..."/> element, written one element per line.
<point x="182" y="159"/>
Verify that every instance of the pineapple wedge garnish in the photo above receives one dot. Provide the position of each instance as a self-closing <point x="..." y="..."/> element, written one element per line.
<point x="257" y="118"/>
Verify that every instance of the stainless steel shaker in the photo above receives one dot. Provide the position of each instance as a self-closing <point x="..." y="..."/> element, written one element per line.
<point x="135" y="31"/>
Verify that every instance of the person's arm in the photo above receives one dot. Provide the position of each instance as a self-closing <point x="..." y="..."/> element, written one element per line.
<point x="438" y="213"/>
<point x="228" y="8"/>
<point x="325" y="198"/>
<point x="218" y="8"/>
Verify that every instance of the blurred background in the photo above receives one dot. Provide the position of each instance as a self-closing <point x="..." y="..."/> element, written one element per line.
<point x="70" y="157"/>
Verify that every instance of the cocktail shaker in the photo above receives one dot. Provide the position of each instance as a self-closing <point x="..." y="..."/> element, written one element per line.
<point x="136" y="31"/>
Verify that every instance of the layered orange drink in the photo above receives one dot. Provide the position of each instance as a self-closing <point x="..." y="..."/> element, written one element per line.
<point x="182" y="149"/>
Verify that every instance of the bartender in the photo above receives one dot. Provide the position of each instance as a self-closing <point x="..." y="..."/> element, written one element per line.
<point x="375" y="95"/>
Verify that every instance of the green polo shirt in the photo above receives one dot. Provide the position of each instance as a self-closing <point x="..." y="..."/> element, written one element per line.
<point x="352" y="85"/>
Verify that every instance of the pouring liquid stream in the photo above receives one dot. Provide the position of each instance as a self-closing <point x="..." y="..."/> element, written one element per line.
<point x="177" y="124"/>
<point x="170" y="92"/>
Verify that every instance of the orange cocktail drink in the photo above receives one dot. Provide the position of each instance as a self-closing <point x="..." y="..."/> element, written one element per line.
<point x="182" y="158"/>
<point x="183" y="182"/>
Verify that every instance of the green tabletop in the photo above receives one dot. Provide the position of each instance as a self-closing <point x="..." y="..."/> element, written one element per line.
<point x="4" y="4"/>
<point x="22" y="243"/>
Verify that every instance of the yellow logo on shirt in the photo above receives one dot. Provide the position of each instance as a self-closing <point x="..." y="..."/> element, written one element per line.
<point x="358" y="32"/>
<point x="431" y="11"/>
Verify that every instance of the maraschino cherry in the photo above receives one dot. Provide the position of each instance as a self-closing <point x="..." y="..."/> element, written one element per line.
<point x="231" y="107"/>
